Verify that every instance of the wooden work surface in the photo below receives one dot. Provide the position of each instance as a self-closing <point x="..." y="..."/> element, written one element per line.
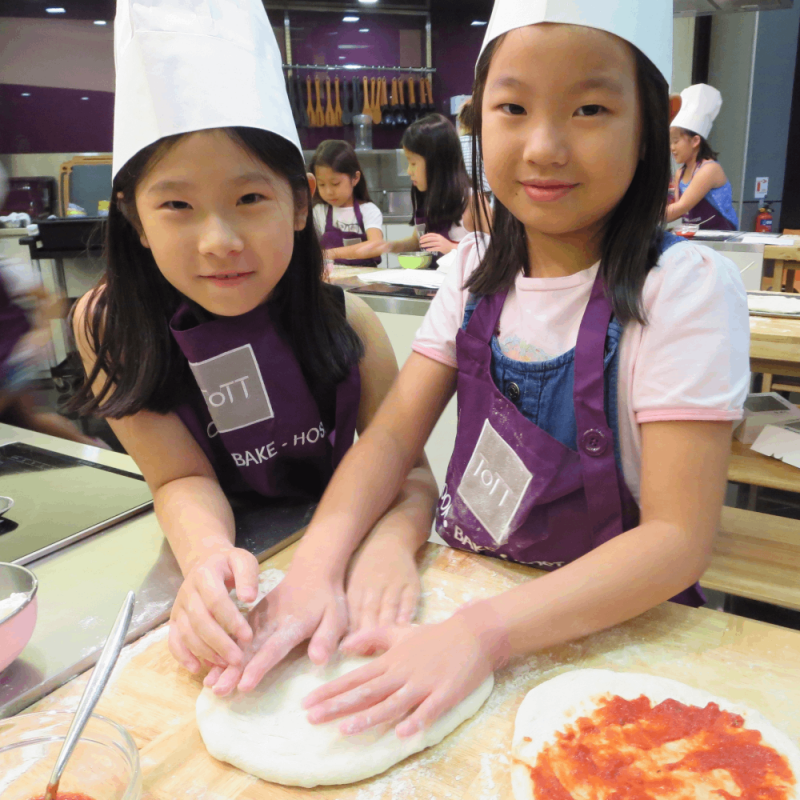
<point x="775" y="345"/>
<point x="755" y="469"/>
<point x="746" y="661"/>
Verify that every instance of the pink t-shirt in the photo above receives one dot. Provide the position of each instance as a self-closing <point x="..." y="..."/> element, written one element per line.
<point x="690" y="362"/>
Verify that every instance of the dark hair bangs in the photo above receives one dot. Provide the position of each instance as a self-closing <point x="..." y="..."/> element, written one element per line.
<point x="127" y="322"/>
<point x="632" y="238"/>
<point x="339" y="156"/>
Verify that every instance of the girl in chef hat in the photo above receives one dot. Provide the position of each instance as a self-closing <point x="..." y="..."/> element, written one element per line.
<point x="222" y="361"/>
<point x="599" y="363"/>
<point x="703" y="193"/>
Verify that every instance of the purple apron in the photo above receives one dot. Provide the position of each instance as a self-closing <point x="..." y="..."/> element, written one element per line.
<point x="705" y="214"/>
<point x="513" y="491"/>
<point x="252" y="411"/>
<point x="13" y="326"/>
<point x="336" y="237"/>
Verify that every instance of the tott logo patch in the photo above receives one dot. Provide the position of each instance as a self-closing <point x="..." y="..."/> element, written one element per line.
<point x="233" y="389"/>
<point x="494" y="483"/>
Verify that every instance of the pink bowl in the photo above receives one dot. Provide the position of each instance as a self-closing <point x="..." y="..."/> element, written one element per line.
<point x="16" y="630"/>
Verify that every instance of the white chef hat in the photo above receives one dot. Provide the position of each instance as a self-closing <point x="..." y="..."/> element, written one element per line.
<point x="646" y="24"/>
<point x="700" y="105"/>
<point x="189" y="65"/>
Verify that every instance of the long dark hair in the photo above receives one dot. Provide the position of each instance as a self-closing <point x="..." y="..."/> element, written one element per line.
<point x="632" y="238"/>
<point x="435" y="139"/>
<point x="127" y="324"/>
<point x="339" y="156"/>
<point x="705" y="153"/>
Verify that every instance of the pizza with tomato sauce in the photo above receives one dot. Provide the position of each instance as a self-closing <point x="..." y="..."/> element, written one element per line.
<point x="595" y="734"/>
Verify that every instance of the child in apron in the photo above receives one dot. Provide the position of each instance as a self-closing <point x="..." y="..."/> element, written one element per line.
<point x="349" y="224"/>
<point x="702" y="193"/>
<point x="440" y="190"/>
<point x="223" y="362"/>
<point x="600" y="365"/>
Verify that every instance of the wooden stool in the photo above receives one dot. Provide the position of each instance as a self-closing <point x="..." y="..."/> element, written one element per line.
<point x="786" y="260"/>
<point x="756" y="556"/>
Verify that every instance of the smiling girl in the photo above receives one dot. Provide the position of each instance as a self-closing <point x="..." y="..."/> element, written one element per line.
<point x="222" y="361"/>
<point x="599" y="365"/>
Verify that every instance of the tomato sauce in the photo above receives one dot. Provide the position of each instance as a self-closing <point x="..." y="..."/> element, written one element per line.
<point x="67" y="796"/>
<point x="630" y="750"/>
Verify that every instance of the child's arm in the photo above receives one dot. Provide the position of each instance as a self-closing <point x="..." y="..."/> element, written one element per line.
<point x="407" y="245"/>
<point x="709" y="176"/>
<point x="384" y="470"/>
<point x="684" y="471"/>
<point x="198" y="522"/>
<point x="372" y="248"/>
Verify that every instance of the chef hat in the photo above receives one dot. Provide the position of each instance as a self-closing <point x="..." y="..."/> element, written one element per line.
<point x="189" y="65"/>
<point x="646" y="24"/>
<point x="700" y="105"/>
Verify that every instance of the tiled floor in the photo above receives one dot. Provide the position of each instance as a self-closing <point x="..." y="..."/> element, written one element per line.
<point x="770" y="501"/>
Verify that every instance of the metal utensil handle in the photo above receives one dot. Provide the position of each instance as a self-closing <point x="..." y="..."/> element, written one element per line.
<point x="94" y="688"/>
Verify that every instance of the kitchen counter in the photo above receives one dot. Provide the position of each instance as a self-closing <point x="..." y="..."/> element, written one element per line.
<point x="746" y="661"/>
<point x="81" y="587"/>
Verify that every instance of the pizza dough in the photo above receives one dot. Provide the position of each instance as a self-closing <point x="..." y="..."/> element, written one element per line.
<point x="553" y="705"/>
<point x="266" y="733"/>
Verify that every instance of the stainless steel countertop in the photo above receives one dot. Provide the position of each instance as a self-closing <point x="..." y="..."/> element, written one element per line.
<point x="82" y="586"/>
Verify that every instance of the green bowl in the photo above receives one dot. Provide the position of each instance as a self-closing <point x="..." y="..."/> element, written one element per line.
<point x="418" y="260"/>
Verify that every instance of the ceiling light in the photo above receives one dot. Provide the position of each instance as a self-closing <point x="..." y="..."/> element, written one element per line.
<point x="367" y="2"/>
<point x="26" y="94"/>
<point x="100" y="22"/>
<point x="84" y="98"/>
<point x="478" y="22"/>
<point x="350" y="19"/>
<point x="363" y="30"/>
<point x="56" y="10"/>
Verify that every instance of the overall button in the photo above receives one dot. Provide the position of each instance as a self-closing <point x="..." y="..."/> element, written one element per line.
<point x="513" y="393"/>
<point x="594" y="442"/>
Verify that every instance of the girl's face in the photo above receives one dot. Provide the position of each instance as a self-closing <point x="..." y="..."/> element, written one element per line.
<point x="416" y="170"/>
<point x="561" y="126"/>
<point x="683" y="147"/>
<point x="219" y="222"/>
<point x="335" y="188"/>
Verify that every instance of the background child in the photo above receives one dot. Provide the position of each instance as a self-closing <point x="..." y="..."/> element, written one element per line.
<point x="440" y="189"/>
<point x="349" y="224"/>
<point x="599" y="366"/>
<point x="703" y="193"/>
<point x="223" y="362"/>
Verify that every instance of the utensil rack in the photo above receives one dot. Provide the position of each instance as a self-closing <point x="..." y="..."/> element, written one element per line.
<point x="358" y="67"/>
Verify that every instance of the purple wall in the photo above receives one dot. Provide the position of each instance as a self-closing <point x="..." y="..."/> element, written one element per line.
<point x="54" y="120"/>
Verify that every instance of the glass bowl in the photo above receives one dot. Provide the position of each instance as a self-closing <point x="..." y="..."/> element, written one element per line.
<point x="687" y="230"/>
<point x="104" y="764"/>
<point x="418" y="260"/>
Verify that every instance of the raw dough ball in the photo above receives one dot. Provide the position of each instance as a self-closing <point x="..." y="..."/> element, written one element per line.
<point x="266" y="733"/>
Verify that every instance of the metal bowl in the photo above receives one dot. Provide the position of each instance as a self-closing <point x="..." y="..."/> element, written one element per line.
<point x="16" y="627"/>
<point x="105" y="764"/>
<point x="418" y="260"/>
<point x="5" y="504"/>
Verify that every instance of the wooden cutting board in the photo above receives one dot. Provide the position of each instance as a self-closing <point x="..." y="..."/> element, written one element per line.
<point x="746" y="661"/>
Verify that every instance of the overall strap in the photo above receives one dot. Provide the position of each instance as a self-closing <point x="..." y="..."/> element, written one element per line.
<point x="484" y="320"/>
<point x="329" y="219"/>
<point x="359" y="216"/>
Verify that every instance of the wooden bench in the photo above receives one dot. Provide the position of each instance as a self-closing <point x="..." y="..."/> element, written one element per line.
<point x="756" y="556"/>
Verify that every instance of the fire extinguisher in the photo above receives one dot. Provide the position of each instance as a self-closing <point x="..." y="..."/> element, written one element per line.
<point x="764" y="219"/>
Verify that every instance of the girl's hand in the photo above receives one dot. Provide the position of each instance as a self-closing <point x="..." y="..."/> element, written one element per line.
<point x="305" y="604"/>
<point x="431" y="668"/>
<point x="383" y="587"/>
<point x="205" y="621"/>
<point x="436" y="243"/>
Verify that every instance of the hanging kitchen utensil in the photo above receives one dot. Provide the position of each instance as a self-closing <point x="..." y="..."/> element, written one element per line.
<point x="413" y="108"/>
<point x="330" y="114"/>
<point x="312" y="117"/>
<point x="375" y="101"/>
<point x="338" y="110"/>
<point x="401" y="117"/>
<point x="347" y="102"/>
<point x="385" y="107"/>
<point x="394" y="104"/>
<point x="365" y="100"/>
<point x="358" y="97"/>
<point x="319" y="113"/>
<point x="301" y="106"/>
<point x="429" y="90"/>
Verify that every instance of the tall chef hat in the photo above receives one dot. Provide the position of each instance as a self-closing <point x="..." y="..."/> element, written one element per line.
<point x="646" y="24"/>
<point x="700" y="105"/>
<point x="189" y="65"/>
